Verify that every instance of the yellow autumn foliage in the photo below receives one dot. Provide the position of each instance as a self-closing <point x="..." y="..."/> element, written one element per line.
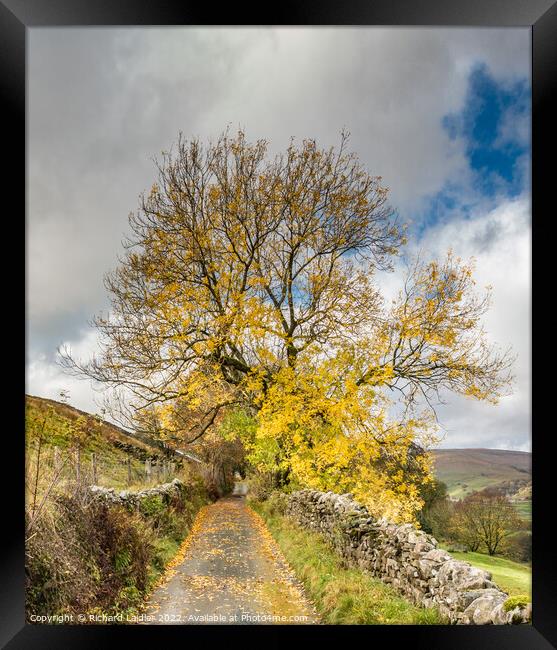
<point x="249" y="283"/>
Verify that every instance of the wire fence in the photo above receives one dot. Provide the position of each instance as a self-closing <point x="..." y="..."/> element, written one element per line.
<point x="69" y="468"/>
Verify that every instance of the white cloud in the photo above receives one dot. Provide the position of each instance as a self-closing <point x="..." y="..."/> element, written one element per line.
<point x="500" y="242"/>
<point x="46" y="379"/>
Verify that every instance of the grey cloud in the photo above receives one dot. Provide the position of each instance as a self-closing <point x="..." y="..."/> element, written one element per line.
<point x="487" y="236"/>
<point x="467" y="423"/>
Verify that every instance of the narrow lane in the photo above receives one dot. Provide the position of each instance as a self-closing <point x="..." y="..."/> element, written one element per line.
<point x="229" y="571"/>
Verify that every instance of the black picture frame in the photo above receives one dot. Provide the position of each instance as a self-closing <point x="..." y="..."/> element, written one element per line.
<point x="16" y="17"/>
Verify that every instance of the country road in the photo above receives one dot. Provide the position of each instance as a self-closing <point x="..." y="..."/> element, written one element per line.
<point x="229" y="571"/>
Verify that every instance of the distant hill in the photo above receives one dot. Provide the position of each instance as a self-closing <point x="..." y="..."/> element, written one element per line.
<point x="467" y="470"/>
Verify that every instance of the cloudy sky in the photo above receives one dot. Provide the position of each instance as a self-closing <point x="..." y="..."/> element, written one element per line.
<point x="443" y="115"/>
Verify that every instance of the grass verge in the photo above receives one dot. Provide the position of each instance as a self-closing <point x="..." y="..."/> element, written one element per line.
<point x="341" y="595"/>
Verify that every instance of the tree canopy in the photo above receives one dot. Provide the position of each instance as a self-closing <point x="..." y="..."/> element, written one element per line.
<point x="484" y="521"/>
<point x="248" y="286"/>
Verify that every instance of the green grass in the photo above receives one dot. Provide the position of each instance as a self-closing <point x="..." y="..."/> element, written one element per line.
<point x="341" y="595"/>
<point x="459" y="486"/>
<point x="513" y="577"/>
<point x="165" y="549"/>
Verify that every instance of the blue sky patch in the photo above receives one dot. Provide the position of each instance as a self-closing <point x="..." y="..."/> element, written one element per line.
<point x="494" y="124"/>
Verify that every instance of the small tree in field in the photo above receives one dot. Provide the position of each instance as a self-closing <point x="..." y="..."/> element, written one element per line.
<point x="248" y="283"/>
<point x="483" y="521"/>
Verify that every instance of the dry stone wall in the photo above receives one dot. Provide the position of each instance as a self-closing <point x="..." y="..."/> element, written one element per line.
<point x="129" y="498"/>
<point x="406" y="558"/>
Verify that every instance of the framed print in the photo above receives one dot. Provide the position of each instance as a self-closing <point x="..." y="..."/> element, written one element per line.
<point x="278" y="324"/>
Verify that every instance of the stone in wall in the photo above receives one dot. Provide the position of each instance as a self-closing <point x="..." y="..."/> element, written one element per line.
<point x="406" y="558"/>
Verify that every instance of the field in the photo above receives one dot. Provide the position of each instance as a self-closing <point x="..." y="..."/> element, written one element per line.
<point x="467" y="470"/>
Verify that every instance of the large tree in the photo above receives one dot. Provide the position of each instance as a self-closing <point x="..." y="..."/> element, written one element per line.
<point x="248" y="282"/>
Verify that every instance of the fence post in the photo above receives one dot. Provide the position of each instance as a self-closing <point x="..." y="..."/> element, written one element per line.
<point x="129" y="462"/>
<point x="148" y="468"/>
<point x="94" y="467"/>
<point x="78" y="465"/>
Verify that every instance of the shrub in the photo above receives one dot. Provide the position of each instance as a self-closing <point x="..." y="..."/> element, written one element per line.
<point x="213" y="491"/>
<point x="152" y="506"/>
<point x="56" y="571"/>
<point x="81" y="554"/>
<point x="261" y="485"/>
<point x="128" y="597"/>
<point x="84" y="555"/>
<point x="124" y="544"/>
<point x="277" y="503"/>
<point x="516" y="601"/>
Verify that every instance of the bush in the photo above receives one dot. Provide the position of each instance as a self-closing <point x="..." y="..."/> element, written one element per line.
<point x="88" y="556"/>
<point x="124" y="543"/>
<point x="56" y="571"/>
<point x="82" y="554"/>
<point x="153" y="507"/>
<point x="516" y="601"/>
<point x="277" y="503"/>
<point x="213" y="491"/>
<point x="261" y="484"/>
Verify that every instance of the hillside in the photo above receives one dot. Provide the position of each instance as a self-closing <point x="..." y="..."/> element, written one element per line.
<point x="112" y="433"/>
<point x="137" y="444"/>
<point x="467" y="470"/>
<point x="109" y="455"/>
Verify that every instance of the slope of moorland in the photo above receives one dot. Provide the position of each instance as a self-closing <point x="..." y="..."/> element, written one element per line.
<point x="467" y="470"/>
<point x="110" y="432"/>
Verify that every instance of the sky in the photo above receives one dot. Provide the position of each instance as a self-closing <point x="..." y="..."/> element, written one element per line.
<point x="441" y="114"/>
